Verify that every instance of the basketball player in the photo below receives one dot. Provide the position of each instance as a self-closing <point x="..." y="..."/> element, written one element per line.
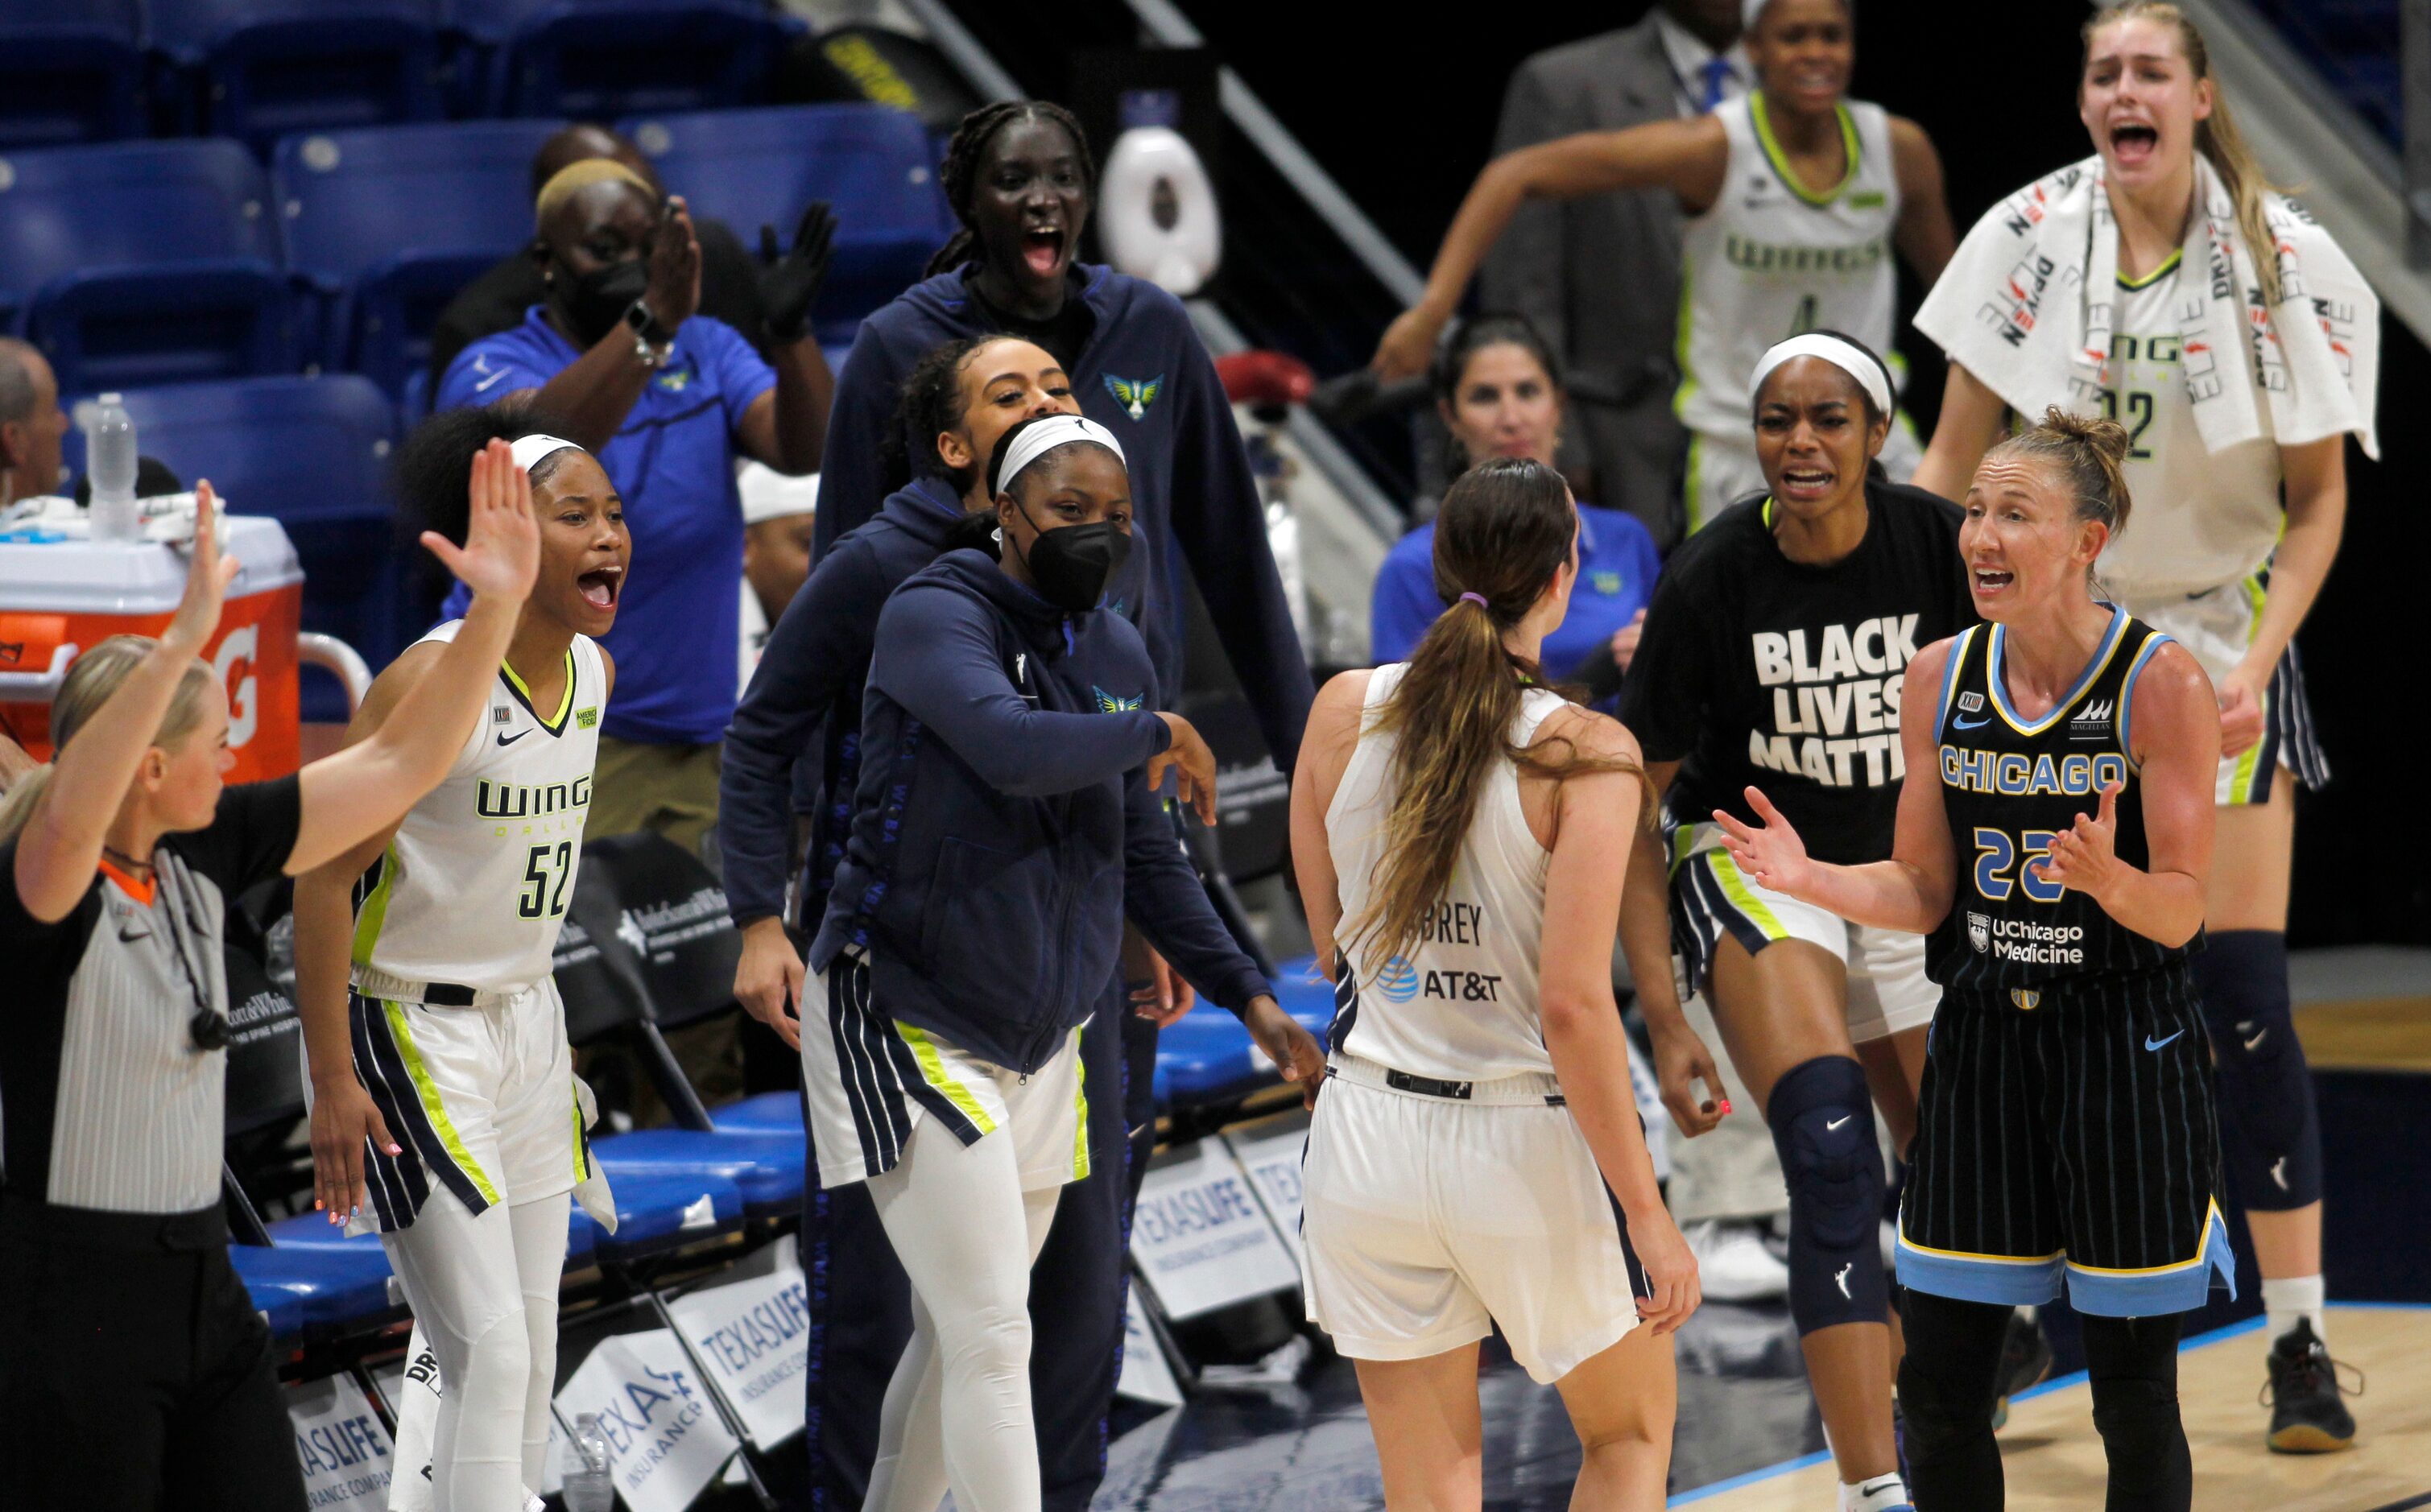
<point x="1477" y="1160"/>
<point x="2238" y="460"/>
<point x="1794" y="197"/>
<point x="444" y="1089"/>
<point x="2054" y="836"/>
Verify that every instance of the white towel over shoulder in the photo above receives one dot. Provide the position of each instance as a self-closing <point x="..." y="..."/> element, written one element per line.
<point x="2027" y="306"/>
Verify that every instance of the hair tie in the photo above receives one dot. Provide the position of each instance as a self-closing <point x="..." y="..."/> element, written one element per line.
<point x="1479" y="599"/>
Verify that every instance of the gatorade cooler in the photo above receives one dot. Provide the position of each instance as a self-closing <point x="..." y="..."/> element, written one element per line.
<point x="62" y="593"/>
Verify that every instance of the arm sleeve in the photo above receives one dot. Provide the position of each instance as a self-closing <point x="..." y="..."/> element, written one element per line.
<point x="1663" y="699"/>
<point x="1221" y="524"/>
<point x="1525" y="270"/>
<point x="1163" y="894"/>
<point x="822" y="636"/>
<point x="742" y="373"/>
<point x="485" y="373"/>
<point x="1401" y="608"/>
<point x="936" y="658"/>
<point x="852" y="475"/>
<point x="250" y="838"/>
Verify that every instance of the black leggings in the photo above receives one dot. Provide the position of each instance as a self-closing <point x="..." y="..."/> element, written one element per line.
<point x="1950" y="1376"/>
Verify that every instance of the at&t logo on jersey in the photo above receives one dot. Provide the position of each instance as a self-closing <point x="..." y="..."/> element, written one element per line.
<point x="1398" y="981"/>
<point x="1840" y="694"/>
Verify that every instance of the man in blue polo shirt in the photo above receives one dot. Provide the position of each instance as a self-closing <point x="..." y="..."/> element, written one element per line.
<point x="666" y="398"/>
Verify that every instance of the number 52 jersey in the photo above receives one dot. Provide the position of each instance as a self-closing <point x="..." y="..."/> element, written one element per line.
<point x="2008" y="784"/>
<point x="474" y="885"/>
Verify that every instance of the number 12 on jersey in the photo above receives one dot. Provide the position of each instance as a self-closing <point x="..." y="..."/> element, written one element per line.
<point x="2002" y="862"/>
<point x="540" y="900"/>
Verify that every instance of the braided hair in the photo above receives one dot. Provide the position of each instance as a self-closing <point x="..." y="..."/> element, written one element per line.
<point x="962" y="166"/>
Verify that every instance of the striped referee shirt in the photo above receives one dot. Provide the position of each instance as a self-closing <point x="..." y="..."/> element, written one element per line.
<point x="105" y="1102"/>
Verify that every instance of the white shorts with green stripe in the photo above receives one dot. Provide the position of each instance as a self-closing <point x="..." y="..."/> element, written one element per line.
<point x="2217" y="627"/>
<point x="869" y="1078"/>
<point x="1888" y="991"/>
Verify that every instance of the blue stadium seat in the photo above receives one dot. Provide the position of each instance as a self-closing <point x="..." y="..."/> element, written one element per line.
<point x="768" y="1113"/>
<point x="313" y="1230"/>
<point x="751" y="168"/>
<point x="328" y="1291"/>
<point x="656" y="1213"/>
<point x="1208" y="1058"/>
<point x="595" y="60"/>
<point x="766" y="1169"/>
<point x="385" y="225"/>
<point x="313" y="452"/>
<point x="259" y="68"/>
<point x="143" y="262"/>
<point x="69" y="71"/>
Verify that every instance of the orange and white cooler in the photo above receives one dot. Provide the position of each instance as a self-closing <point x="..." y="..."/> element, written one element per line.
<point x="62" y="593"/>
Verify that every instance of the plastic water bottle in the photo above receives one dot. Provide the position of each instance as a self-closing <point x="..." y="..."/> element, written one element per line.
<point x="109" y="462"/>
<point x="587" y="1487"/>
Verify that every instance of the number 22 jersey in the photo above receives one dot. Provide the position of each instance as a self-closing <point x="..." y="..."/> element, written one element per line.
<point x="474" y="885"/>
<point x="2008" y="784"/>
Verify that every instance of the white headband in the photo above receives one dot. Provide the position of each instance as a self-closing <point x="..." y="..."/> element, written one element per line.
<point x="1042" y="436"/>
<point x="1846" y="356"/>
<point x="769" y="494"/>
<point x="529" y="450"/>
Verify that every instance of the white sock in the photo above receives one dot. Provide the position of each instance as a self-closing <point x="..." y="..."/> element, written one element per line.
<point x="1874" y="1495"/>
<point x="2294" y="1298"/>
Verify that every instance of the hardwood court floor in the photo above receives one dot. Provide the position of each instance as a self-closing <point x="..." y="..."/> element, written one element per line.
<point x="2053" y="1458"/>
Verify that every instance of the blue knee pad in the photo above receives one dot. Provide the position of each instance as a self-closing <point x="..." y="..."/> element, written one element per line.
<point x="2270" y="1131"/>
<point x="1823" y="1119"/>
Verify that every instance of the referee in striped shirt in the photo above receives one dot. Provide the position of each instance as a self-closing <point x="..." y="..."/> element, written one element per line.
<point x="120" y="1315"/>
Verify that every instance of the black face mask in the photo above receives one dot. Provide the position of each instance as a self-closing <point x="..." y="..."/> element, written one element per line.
<point x="1072" y="565"/>
<point x="596" y="301"/>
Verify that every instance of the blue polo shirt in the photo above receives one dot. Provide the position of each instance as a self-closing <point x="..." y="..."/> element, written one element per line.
<point x="673" y="461"/>
<point x="1617" y="569"/>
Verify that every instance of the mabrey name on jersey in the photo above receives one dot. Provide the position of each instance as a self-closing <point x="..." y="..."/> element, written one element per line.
<point x="1835" y="701"/>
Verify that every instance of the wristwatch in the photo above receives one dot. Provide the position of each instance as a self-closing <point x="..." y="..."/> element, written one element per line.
<point x="652" y="341"/>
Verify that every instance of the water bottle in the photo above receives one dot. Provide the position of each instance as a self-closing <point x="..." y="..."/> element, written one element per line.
<point x="110" y="463"/>
<point x="587" y="1487"/>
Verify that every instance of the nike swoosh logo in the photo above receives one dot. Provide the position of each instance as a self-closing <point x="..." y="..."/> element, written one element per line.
<point x="505" y="739"/>
<point x="1872" y="1486"/>
<point x="1841" y="1119"/>
<point x="2150" y="1043"/>
<point x="1966" y="724"/>
<point x="484" y="385"/>
<point x="2279" y="1172"/>
<point x="2257" y="1040"/>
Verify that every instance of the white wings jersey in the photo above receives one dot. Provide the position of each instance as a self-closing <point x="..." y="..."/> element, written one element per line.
<point x="1767" y="261"/>
<point x="2201" y="518"/>
<point x="473" y="888"/>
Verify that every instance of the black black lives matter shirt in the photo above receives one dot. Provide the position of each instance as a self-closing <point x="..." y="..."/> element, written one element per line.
<point x="1757" y="669"/>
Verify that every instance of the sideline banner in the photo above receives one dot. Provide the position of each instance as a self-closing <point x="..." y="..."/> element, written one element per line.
<point x="346" y="1453"/>
<point x="1146" y="1375"/>
<point x="753" y="1341"/>
<point x="1273" y="1162"/>
<point x="1199" y="1236"/>
<point x="666" y="1442"/>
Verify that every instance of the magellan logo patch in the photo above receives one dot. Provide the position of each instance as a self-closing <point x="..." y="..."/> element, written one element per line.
<point x="1111" y="703"/>
<point x="587" y="718"/>
<point x="1134" y="395"/>
<point x="2092" y="722"/>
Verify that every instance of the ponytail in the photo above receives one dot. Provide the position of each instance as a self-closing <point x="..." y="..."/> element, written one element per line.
<point x="1505" y="530"/>
<point x="90" y="683"/>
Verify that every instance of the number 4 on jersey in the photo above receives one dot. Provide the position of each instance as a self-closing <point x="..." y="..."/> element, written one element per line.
<point x="540" y="900"/>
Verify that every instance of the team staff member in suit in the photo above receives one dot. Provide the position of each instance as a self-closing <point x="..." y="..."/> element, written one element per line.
<point x="799" y="725"/>
<point x="1005" y="823"/>
<point x="1794" y="197"/>
<point x="1555" y="263"/>
<point x="2240" y="472"/>
<point x="2072" y="748"/>
<point x="1477" y="1160"/>
<point x="665" y="398"/>
<point x="118" y="862"/>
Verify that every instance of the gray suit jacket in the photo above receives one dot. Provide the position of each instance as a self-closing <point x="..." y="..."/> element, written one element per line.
<point x="1601" y="277"/>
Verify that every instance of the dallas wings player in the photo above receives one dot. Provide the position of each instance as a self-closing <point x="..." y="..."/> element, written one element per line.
<point x="444" y="1089"/>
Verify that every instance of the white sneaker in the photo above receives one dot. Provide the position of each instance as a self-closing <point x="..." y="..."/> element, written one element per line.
<point x="1733" y="1264"/>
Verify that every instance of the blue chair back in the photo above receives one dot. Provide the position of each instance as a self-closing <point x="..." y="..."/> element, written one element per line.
<point x="387" y="225"/>
<point x="259" y="68"/>
<point x="751" y="168"/>
<point x="597" y="60"/>
<point x="69" y="71"/>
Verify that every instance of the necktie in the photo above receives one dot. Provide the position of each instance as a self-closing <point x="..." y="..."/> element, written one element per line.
<point x="1715" y="74"/>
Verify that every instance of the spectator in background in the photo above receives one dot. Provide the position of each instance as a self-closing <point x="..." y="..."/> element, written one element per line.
<point x="1555" y="263"/>
<point x="1498" y="389"/>
<point x="778" y="513"/>
<point x="31" y="423"/>
<point x="495" y="301"/>
<point x="665" y="398"/>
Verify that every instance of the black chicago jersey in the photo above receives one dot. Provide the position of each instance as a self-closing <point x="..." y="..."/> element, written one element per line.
<point x="2008" y="784"/>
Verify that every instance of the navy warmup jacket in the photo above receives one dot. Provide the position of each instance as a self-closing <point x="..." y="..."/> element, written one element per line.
<point x="1142" y="373"/>
<point x="1003" y="824"/>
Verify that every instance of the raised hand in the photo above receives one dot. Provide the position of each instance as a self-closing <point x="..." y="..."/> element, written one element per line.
<point x="1770" y="852"/>
<point x="207" y="576"/>
<point x="2085" y="856"/>
<point x="674" y="293"/>
<point x="789" y="284"/>
<point x="501" y="551"/>
<point x="1189" y="757"/>
<point x="1408" y="348"/>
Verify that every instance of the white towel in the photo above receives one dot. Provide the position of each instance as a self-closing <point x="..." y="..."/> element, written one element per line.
<point x="2027" y="306"/>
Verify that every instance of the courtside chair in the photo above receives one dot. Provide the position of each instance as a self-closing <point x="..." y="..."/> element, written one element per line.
<point x="384" y="226"/>
<point x="750" y="168"/>
<point x="70" y="71"/>
<point x="597" y="60"/>
<point x="260" y="68"/>
<point x="143" y="262"/>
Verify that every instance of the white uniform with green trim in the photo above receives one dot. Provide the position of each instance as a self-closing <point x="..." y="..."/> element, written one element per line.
<point x="1767" y="261"/>
<point x="459" y="1032"/>
<point x="2195" y="557"/>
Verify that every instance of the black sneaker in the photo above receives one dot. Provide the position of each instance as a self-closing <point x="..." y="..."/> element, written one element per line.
<point x="2025" y="1359"/>
<point x="2302" y="1391"/>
